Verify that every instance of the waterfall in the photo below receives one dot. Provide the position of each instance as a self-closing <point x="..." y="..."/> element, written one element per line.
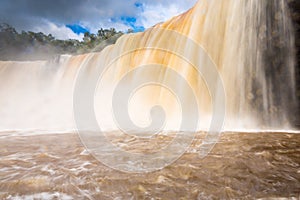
<point x="250" y="43"/>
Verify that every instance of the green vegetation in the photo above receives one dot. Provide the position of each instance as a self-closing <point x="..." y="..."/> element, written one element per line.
<point x="35" y="46"/>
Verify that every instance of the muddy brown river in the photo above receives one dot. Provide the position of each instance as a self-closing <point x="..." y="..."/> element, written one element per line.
<point x="241" y="166"/>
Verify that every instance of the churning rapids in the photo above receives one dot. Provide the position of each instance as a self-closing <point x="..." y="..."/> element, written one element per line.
<point x="232" y="56"/>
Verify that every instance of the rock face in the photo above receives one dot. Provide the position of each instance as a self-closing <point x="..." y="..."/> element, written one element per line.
<point x="295" y="13"/>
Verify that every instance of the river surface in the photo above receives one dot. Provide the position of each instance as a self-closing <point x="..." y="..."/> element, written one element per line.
<point x="241" y="166"/>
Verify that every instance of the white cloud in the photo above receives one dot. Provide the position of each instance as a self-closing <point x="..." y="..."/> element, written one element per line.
<point x="154" y="14"/>
<point x="51" y="18"/>
<point x="59" y="32"/>
<point x="157" y="11"/>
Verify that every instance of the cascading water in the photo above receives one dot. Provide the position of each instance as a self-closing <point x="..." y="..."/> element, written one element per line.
<point x="250" y="42"/>
<point x="222" y="58"/>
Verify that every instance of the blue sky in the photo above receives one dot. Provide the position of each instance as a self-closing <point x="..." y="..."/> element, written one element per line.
<point x="70" y="19"/>
<point x="77" y="29"/>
